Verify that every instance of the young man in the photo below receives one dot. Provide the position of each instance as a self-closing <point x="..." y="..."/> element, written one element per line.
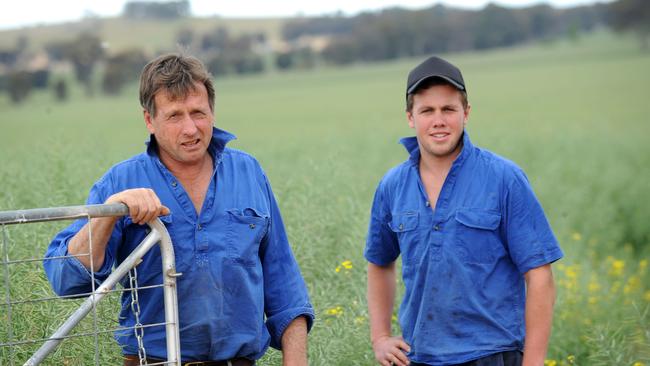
<point x="241" y="288"/>
<point x="476" y="247"/>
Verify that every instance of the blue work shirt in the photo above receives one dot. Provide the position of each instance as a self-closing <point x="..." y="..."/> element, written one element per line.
<point x="462" y="263"/>
<point x="241" y="286"/>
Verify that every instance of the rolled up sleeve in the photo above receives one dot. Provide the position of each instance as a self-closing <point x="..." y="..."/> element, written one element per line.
<point x="68" y="276"/>
<point x="285" y="292"/>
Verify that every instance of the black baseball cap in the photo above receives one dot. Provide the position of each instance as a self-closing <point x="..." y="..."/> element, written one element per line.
<point x="434" y="67"/>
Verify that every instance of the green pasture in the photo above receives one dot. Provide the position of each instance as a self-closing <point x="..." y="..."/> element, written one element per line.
<point x="574" y="115"/>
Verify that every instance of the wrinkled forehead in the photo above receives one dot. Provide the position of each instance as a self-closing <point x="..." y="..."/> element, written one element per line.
<point x="179" y="92"/>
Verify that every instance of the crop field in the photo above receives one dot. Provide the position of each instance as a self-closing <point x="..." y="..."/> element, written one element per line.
<point x="575" y="115"/>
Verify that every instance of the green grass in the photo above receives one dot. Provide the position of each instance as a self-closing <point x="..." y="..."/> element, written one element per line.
<point x="573" y="115"/>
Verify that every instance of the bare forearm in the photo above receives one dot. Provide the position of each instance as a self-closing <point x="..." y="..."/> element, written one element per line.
<point x="388" y="349"/>
<point x="540" y="298"/>
<point x="144" y="205"/>
<point x="79" y="244"/>
<point x="381" y="295"/>
<point x="294" y="343"/>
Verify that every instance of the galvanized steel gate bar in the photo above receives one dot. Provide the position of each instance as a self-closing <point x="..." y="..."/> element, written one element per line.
<point x="158" y="234"/>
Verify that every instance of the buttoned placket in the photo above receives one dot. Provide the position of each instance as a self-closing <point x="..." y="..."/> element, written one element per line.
<point x="435" y="226"/>
<point x="436" y="238"/>
<point x="201" y="242"/>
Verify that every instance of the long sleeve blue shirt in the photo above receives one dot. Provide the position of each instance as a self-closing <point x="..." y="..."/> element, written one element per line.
<point x="462" y="263"/>
<point x="241" y="285"/>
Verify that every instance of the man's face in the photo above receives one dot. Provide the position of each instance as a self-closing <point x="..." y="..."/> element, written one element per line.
<point x="183" y="127"/>
<point x="438" y="118"/>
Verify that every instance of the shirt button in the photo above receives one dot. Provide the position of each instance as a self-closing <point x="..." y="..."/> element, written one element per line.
<point x="436" y="228"/>
<point x="174" y="184"/>
<point x="401" y="226"/>
<point x="427" y="204"/>
<point x="252" y="226"/>
<point x="199" y="227"/>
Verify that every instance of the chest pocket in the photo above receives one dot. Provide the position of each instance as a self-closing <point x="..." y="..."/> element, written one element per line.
<point x="404" y="225"/>
<point x="403" y="222"/>
<point x="478" y="236"/>
<point x="246" y="228"/>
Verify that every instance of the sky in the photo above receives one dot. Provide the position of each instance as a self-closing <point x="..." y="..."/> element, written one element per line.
<point x="31" y="12"/>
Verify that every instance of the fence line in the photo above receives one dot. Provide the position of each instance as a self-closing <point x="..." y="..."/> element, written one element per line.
<point x="158" y="234"/>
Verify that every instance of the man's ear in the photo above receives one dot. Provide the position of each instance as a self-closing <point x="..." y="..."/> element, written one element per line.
<point x="148" y="121"/>
<point x="466" y="112"/>
<point x="409" y="116"/>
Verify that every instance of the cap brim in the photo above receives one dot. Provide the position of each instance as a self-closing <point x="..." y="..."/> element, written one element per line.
<point x="417" y="83"/>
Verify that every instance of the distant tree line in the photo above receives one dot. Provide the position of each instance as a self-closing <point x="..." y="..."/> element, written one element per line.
<point x="156" y="9"/>
<point x="337" y="39"/>
<point x="632" y="16"/>
<point x="397" y="32"/>
<point x="19" y="81"/>
<point x="225" y="53"/>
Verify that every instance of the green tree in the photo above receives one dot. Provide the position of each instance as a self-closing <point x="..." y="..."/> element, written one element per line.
<point x="85" y="52"/>
<point x="121" y="69"/>
<point x="60" y="90"/>
<point x="632" y="16"/>
<point x="19" y="85"/>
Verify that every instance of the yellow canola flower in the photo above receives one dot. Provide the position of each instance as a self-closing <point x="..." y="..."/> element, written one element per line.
<point x="594" y="286"/>
<point x="360" y="320"/>
<point x="571" y="272"/>
<point x="633" y="284"/>
<point x="638" y="364"/>
<point x="646" y="296"/>
<point x="571" y="359"/>
<point x="617" y="267"/>
<point x="550" y="363"/>
<point x="345" y="265"/>
<point x="335" y="311"/>
<point x="576" y="236"/>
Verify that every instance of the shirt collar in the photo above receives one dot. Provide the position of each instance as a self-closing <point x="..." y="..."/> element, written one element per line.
<point x="412" y="147"/>
<point x="217" y="144"/>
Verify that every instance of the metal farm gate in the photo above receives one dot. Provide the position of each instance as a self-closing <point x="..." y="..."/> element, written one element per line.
<point x="14" y="334"/>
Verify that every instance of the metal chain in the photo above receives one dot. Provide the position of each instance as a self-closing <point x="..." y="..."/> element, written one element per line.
<point x="135" y="308"/>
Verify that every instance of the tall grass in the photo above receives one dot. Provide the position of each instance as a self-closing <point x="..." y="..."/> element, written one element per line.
<point x="573" y="115"/>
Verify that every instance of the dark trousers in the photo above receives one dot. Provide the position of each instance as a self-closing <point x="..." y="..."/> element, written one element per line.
<point x="509" y="358"/>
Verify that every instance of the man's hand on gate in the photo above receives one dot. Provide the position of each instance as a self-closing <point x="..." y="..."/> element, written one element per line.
<point x="144" y="205"/>
<point x="391" y="351"/>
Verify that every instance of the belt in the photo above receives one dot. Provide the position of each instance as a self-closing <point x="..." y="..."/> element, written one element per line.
<point x="240" y="361"/>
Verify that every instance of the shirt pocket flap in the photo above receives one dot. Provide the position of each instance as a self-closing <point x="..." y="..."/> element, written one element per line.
<point x="248" y="215"/>
<point x="402" y="222"/>
<point x="478" y="219"/>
